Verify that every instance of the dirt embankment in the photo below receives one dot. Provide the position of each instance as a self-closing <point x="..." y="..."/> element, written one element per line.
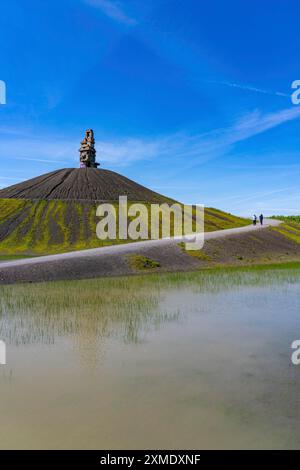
<point x="241" y="249"/>
<point x="261" y="246"/>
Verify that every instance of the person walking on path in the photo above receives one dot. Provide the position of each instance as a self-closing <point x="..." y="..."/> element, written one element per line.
<point x="254" y="219"/>
<point x="261" y="219"/>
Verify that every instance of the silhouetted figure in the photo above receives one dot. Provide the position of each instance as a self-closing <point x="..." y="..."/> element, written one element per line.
<point x="261" y="219"/>
<point x="254" y="219"/>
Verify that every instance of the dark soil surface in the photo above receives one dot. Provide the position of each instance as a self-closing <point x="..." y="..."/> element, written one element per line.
<point x="262" y="246"/>
<point x="85" y="184"/>
<point x="243" y="249"/>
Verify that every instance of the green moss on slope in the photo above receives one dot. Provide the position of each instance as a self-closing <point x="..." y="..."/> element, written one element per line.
<point x="290" y="230"/>
<point x="141" y="263"/>
<point x="44" y="227"/>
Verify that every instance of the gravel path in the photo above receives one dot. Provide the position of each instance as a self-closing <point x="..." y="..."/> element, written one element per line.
<point x="110" y="260"/>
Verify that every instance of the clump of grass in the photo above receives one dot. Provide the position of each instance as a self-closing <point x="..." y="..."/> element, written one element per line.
<point x="199" y="254"/>
<point x="142" y="262"/>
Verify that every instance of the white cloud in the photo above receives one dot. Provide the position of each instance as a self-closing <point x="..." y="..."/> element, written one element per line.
<point x="253" y="197"/>
<point x="126" y="151"/>
<point x="257" y="122"/>
<point x="112" y="9"/>
<point x="198" y="148"/>
<point x="40" y="150"/>
<point x="193" y="149"/>
<point x="180" y="149"/>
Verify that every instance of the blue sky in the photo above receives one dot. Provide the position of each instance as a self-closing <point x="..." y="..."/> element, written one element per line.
<point x="190" y="98"/>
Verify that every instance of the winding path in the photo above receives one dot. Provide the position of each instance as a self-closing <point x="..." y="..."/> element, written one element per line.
<point x="110" y="260"/>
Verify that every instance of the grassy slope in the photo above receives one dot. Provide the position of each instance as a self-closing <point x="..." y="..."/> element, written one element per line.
<point x="42" y="227"/>
<point x="280" y="244"/>
<point x="290" y="228"/>
<point x="288" y="218"/>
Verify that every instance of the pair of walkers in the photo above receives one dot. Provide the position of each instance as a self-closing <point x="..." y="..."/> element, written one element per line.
<point x="261" y="219"/>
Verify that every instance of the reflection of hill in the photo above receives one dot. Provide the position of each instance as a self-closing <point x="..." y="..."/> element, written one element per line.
<point x="86" y="312"/>
<point x="91" y="311"/>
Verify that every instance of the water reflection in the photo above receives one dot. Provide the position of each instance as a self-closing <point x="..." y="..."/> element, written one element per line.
<point x="87" y="311"/>
<point x="195" y="361"/>
<point x="93" y="310"/>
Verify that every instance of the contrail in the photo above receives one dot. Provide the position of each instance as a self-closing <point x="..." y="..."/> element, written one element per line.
<point x="249" y="88"/>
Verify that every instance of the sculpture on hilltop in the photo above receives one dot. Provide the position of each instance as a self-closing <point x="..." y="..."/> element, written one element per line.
<point x="87" y="151"/>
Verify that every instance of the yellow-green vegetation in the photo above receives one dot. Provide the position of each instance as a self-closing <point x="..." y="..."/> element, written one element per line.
<point x="288" y="218"/>
<point x="66" y="307"/>
<point x="218" y="220"/>
<point x="9" y="206"/>
<point x="199" y="254"/>
<point x="37" y="227"/>
<point x="290" y="229"/>
<point x="13" y="257"/>
<point x="140" y="262"/>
